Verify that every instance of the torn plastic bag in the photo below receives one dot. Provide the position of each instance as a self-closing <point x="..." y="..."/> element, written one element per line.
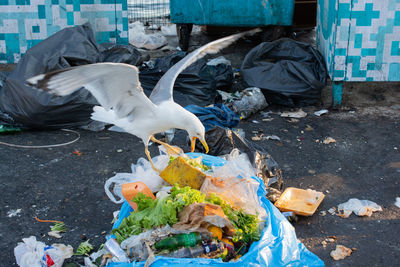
<point x="289" y="73"/>
<point x="222" y="141"/>
<point x="199" y="82"/>
<point x="69" y="47"/>
<point x="217" y="115"/>
<point x="278" y="245"/>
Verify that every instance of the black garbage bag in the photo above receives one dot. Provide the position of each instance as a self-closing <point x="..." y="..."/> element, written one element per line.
<point x="198" y="82"/>
<point x="289" y="73"/>
<point x="221" y="141"/>
<point x="67" y="48"/>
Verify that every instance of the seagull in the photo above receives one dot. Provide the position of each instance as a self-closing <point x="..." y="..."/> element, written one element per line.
<point x="117" y="89"/>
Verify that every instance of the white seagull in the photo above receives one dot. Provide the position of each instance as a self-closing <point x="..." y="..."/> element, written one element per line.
<point x="123" y="103"/>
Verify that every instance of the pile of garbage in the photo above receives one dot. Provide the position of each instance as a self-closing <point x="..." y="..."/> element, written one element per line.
<point x="200" y="208"/>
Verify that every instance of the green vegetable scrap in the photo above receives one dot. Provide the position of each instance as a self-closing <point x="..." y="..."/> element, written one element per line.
<point x="59" y="227"/>
<point x="84" y="248"/>
<point x="159" y="212"/>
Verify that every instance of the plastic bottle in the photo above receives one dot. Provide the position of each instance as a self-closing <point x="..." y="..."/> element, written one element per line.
<point x="192" y="252"/>
<point x="113" y="247"/>
<point x="179" y="240"/>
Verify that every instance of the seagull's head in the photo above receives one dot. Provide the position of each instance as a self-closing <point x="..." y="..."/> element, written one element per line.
<point x="196" y="130"/>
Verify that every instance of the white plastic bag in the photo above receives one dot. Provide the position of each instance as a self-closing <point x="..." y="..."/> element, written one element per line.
<point x="141" y="172"/>
<point x="140" y="39"/>
<point x="359" y="207"/>
<point x="33" y="253"/>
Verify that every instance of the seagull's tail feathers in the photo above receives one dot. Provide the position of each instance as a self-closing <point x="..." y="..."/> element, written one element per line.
<point x="103" y="115"/>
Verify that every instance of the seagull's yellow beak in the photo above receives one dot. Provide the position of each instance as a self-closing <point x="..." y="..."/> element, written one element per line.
<point x="193" y="144"/>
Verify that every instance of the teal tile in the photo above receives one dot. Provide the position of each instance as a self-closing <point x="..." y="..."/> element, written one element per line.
<point x="22" y="2"/>
<point x="41" y="11"/>
<point x="70" y="18"/>
<point x="368" y="52"/>
<point x="3" y="2"/>
<point x="358" y="40"/>
<point x="370" y="66"/>
<point x="395" y="49"/>
<point x="35" y="29"/>
<point x="394" y="72"/>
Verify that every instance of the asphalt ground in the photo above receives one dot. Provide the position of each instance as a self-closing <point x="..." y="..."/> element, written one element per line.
<point x="364" y="162"/>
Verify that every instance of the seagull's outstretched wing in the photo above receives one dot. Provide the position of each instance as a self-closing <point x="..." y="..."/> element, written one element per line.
<point x="164" y="88"/>
<point x="114" y="85"/>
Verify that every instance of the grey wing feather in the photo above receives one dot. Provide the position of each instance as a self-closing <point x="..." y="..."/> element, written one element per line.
<point x="164" y="88"/>
<point x="114" y="85"/>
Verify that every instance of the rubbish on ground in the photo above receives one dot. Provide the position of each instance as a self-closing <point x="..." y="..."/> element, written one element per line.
<point x="84" y="248"/>
<point x="324" y="243"/>
<point x="31" y="253"/>
<point x="139" y="38"/>
<point x="293" y="120"/>
<point x="262" y="137"/>
<point x="194" y="252"/>
<point x="27" y="107"/>
<point x="9" y="129"/>
<point x="197" y="84"/>
<point x="56" y="229"/>
<point x="254" y="121"/>
<point x="141" y="171"/>
<point x="133" y="226"/>
<point x="216" y="115"/>
<point x="267" y="119"/>
<point x="222" y="142"/>
<point x="288" y="72"/>
<point x="322" y="213"/>
<point x="320" y="112"/>
<point x="273" y="194"/>
<point x="76" y="152"/>
<point x="332" y="211"/>
<point x="181" y="171"/>
<point x="309" y="128"/>
<point x="329" y="140"/>
<point x="169" y="30"/>
<point x="250" y="101"/>
<point x="340" y="252"/>
<point x="130" y="190"/>
<point x="266" y="114"/>
<point x="397" y="203"/>
<point x="311" y="171"/>
<point x="300" y="201"/>
<point x="218" y="60"/>
<point x="13" y="213"/>
<point x="359" y="207"/>
<point x="295" y="114"/>
<point x="114" y="248"/>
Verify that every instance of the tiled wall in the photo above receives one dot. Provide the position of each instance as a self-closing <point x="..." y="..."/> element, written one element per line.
<point x="360" y="39"/>
<point x="24" y="23"/>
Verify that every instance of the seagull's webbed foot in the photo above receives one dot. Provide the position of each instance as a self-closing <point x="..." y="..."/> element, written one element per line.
<point x="171" y="150"/>
<point x="146" y="150"/>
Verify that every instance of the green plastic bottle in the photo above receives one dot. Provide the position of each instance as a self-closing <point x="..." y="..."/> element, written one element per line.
<point x="179" y="240"/>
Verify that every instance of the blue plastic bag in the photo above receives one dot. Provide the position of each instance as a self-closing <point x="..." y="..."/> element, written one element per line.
<point x="278" y="245"/>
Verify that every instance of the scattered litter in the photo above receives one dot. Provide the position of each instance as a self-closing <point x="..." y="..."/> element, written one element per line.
<point x="359" y="207"/>
<point x="340" y="252"/>
<point x="9" y="129"/>
<point x="56" y="229"/>
<point x="169" y="30"/>
<point x="324" y="243"/>
<point x="139" y="39"/>
<point x="254" y="121"/>
<point x="293" y="120"/>
<point x="84" y="248"/>
<point x="311" y="171"/>
<point x="329" y="140"/>
<point x="76" y="152"/>
<point x="397" y="203"/>
<point x="119" y="150"/>
<point x="332" y="211"/>
<point x="13" y="213"/>
<point x="266" y="114"/>
<point x="267" y="119"/>
<point x="296" y="114"/>
<point x="31" y="252"/>
<point x="262" y="137"/>
<point x="322" y="213"/>
<point x="320" y="112"/>
<point x="300" y="201"/>
<point x="309" y="128"/>
<point x="250" y="101"/>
